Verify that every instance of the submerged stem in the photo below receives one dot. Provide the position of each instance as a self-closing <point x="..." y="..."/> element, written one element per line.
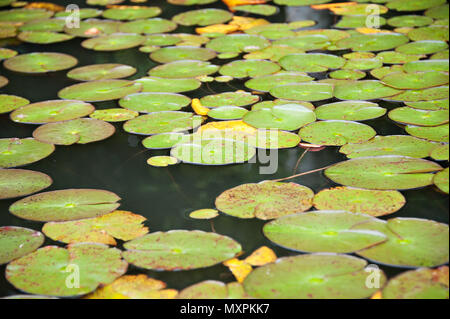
<point x="301" y="174"/>
<point x="299" y="160"/>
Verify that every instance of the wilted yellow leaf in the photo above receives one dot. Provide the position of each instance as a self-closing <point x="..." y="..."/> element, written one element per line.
<point x="232" y="3"/>
<point x="239" y="268"/>
<point x="198" y="107"/>
<point x="262" y="256"/>
<point x="377" y="295"/>
<point x="218" y="28"/>
<point x="245" y="23"/>
<point x="45" y="5"/>
<point x="332" y="5"/>
<point x="230" y="126"/>
<point x="441" y="275"/>
<point x="371" y="31"/>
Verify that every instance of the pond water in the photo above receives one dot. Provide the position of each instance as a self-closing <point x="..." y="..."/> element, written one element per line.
<point x="166" y="195"/>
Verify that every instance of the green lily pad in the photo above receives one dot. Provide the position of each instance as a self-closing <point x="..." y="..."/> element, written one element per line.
<point x="308" y="91"/>
<point x="434" y="133"/>
<point x="362" y="64"/>
<point x="347" y="74"/>
<point x="429" y="105"/>
<point x="267" y="82"/>
<point x="148" y="26"/>
<point x="213" y="151"/>
<point x="113" y="42"/>
<point x="383" y="71"/>
<point x="297" y="3"/>
<point x="3" y="81"/>
<point x="205" y="213"/>
<point x="274" y="139"/>
<point x="20" y="182"/>
<point x="390" y="145"/>
<point x="10" y="103"/>
<point x="43" y="37"/>
<point x="190" y="2"/>
<point x="7" y="31"/>
<point x="355" y="21"/>
<point x="118" y="224"/>
<point x="365" y="201"/>
<point x="373" y="42"/>
<point x="306" y="42"/>
<point x="18" y="152"/>
<point x="442" y="55"/>
<point x="227" y="113"/>
<point x="162" y="161"/>
<point x="438" y="33"/>
<point x="85" y="13"/>
<point x="249" y="68"/>
<point x="384" y="172"/>
<point x="24" y="15"/>
<point x="64" y="205"/>
<point x="440" y="153"/>
<point x="47" y="271"/>
<point x="162" y="141"/>
<point x="180" y="250"/>
<point x="154" y="102"/>
<point x="270" y="104"/>
<point x="96" y="91"/>
<point x="161" y="40"/>
<point x="429" y="94"/>
<point x="7" y="53"/>
<point x="184" y="69"/>
<point x="78" y="131"/>
<point x="426" y="65"/>
<point x="202" y="17"/>
<point x="17" y="242"/>
<point x="287" y="117"/>
<point x="157" y="84"/>
<point x="408" y="115"/>
<point x="415" y="80"/>
<point x="312" y="276"/>
<point x="412" y="242"/>
<point x="336" y="133"/>
<point x="349" y="111"/>
<point x="162" y="122"/>
<point x="114" y="115"/>
<point x="265" y="200"/>
<point x="363" y="90"/>
<point x="322" y="231"/>
<point x="4" y="3"/>
<point x="422" y="47"/>
<point x="438" y="12"/>
<point x="273" y="52"/>
<point x="40" y="62"/>
<point x="131" y="13"/>
<point x="94" y="28"/>
<point x="103" y="2"/>
<point x="414" y="5"/>
<point x="96" y="72"/>
<point x="311" y="62"/>
<point x="393" y="57"/>
<point x="177" y="53"/>
<point x="51" y="111"/>
<point x="409" y="21"/>
<point x="441" y="180"/>
<point x="238" y="43"/>
<point x="421" y="283"/>
<point x="229" y="99"/>
<point x="261" y="9"/>
<point x="188" y="39"/>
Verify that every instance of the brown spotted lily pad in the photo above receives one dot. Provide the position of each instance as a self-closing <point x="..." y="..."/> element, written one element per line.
<point x="21" y="182"/>
<point x="16" y="242"/>
<point x="18" y="152"/>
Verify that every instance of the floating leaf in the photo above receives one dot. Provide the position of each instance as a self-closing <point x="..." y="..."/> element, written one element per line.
<point x="347" y="74"/>
<point x="429" y="105"/>
<point x="184" y="69"/>
<point x="408" y="115"/>
<point x="440" y="153"/>
<point x="436" y="133"/>
<point x="238" y="43"/>
<point x="356" y="21"/>
<point x="148" y="26"/>
<point x="162" y="122"/>
<point x="438" y="12"/>
<point x="365" y="201"/>
<point x="336" y="133"/>
<point x="227" y="113"/>
<point x="80" y="131"/>
<point x="178" y="53"/>
<point x="438" y="33"/>
<point x="267" y="82"/>
<point x="24" y="15"/>
<point x="239" y="268"/>
<point x="211" y="289"/>
<point x="393" y="57"/>
<point x="131" y="12"/>
<point x="441" y="180"/>
<point x="373" y="42"/>
<point x="265" y="200"/>
<point x="7" y="53"/>
<point x="157" y="84"/>
<point x="98" y="72"/>
<point x="322" y="231"/>
<point x="311" y="62"/>
<point x="162" y="161"/>
<point x="422" y="47"/>
<point x="16" y="242"/>
<point x="316" y="276"/>
<point x="426" y="65"/>
<point x="162" y="39"/>
<point x="113" y="42"/>
<point x="43" y="37"/>
<point x="40" y="62"/>
<point x="46" y="270"/>
<point x="64" y="205"/>
<point x="114" y="115"/>
<point x="118" y="224"/>
<point x="205" y="213"/>
<point x="238" y="98"/>
<point x="413" y="5"/>
<point x="249" y="68"/>
<point x="261" y="9"/>
<point x="20" y="182"/>
<point x="409" y="21"/>
<point x="94" y="28"/>
<point x="362" y="64"/>
<point x="382" y="72"/>
<point x="85" y="13"/>
<point x="363" y="90"/>
<point x="202" y="17"/>
<point x="18" y="152"/>
<point x="434" y="93"/>
<point x="412" y="242"/>
<point x="9" y="103"/>
<point x="416" y="80"/>
<point x="180" y="250"/>
<point x="384" y="172"/>
<point x="349" y="111"/>
<point x="154" y="102"/>
<point x="96" y="91"/>
<point x="262" y="256"/>
<point x="308" y="91"/>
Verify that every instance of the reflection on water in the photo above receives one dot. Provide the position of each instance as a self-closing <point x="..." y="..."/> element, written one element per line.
<point x="166" y="195"/>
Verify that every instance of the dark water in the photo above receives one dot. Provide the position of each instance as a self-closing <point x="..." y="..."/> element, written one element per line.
<point x="166" y="195"/>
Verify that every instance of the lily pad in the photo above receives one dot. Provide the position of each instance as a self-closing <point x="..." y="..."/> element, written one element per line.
<point x="316" y="276"/>
<point x="412" y="242"/>
<point x="47" y="270"/>
<point x="114" y="115"/>
<point x="17" y="242"/>
<point x="98" y="72"/>
<point x="227" y="113"/>
<point x="322" y="231"/>
<point x="162" y="141"/>
<point x="390" y="145"/>
<point x="336" y="133"/>
<point x="96" y="91"/>
<point x="363" y="90"/>
<point x="393" y="57"/>
<point x="387" y="172"/>
<point x="435" y="133"/>
<point x="350" y="111"/>
<point x="148" y="26"/>
<point x="18" y="152"/>
<point x="415" y="80"/>
<point x="80" y="131"/>
<point x="205" y="213"/>
<point x="40" y="62"/>
<point x="64" y="205"/>
<point x="113" y="42"/>
<point x="162" y="122"/>
<point x="355" y="21"/>
<point x="118" y="224"/>
<point x="273" y="52"/>
<point x="178" y="53"/>
<point x="157" y="84"/>
<point x="239" y="98"/>
<point x="408" y="115"/>
<point x="373" y="42"/>
<point x="24" y="15"/>
<point x="274" y="139"/>
<point x="238" y="43"/>
<point x="305" y="42"/>
<point x="413" y="5"/>
<point x="249" y="68"/>
<point x="190" y="2"/>
<point x="429" y="94"/>
<point x="438" y="33"/>
<point x="409" y="21"/>
<point x="438" y="12"/>
<point x="426" y="65"/>
<point x="265" y="200"/>
<point x="261" y="9"/>
<point x="162" y="161"/>
<point x="311" y="62"/>
<point x="371" y="202"/>
<point x="131" y="13"/>
<point x="441" y="180"/>
<point x="383" y="71"/>
<point x="20" y="182"/>
<point x="362" y="64"/>
<point x="308" y="91"/>
<point x="440" y="153"/>
<point x="430" y="105"/>
<point x="10" y="103"/>
<point x="7" y="53"/>
<point x="267" y="82"/>
<point x="51" y="111"/>
<point x="85" y="13"/>
<point x="94" y="28"/>
<point x="422" y="47"/>
<point x="347" y="74"/>
<point x="212" y="289"/>
<point x="184" y="69"/>
<point x="161" y="40"/>
<point x="202" y="17"/>
<point x="287" y="117"/>
<point x="154" y="102"/>
<point x="43" y="37"/>
<point x="180" y="250"/>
